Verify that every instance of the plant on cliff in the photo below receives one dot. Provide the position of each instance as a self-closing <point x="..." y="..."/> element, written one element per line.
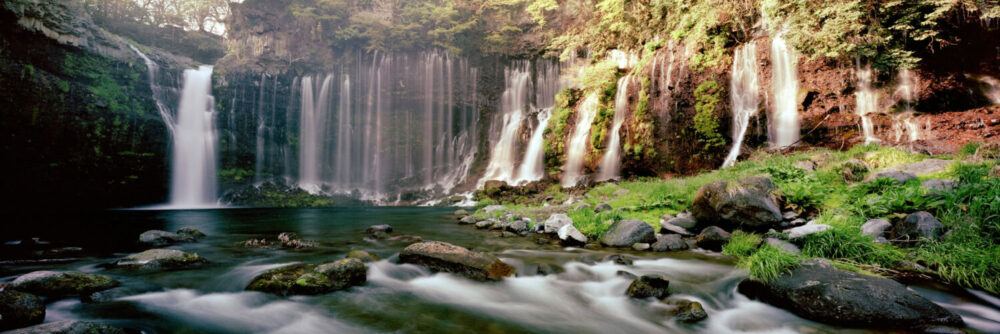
<point x="706" y="124"/>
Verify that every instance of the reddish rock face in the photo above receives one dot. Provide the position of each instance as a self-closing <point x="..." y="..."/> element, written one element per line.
<point x="442" y="256"/>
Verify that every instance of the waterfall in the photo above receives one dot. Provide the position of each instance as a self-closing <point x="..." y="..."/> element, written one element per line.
<point x="532" y="166"/>
<point x="161" y="106"/>
<point x="744" y="94"/>
<point x="579" y="141"/>
<point x="312" y="135"/>
<point x="991" y="88"/>
<point x="193" y="160"/>
<point x="611" y="163"/>
<point x="784" y="129"/>
<point x="513" y="103"/>
<point x="867" y="101"/>
<point x="906" y="92"/>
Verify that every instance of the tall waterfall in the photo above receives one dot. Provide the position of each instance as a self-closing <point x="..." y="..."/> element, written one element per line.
<point x="513" y="105"/>
<point x="784" y="129"/>
<point x="744" y="94"/>
<point x="579" y="141"/>
<point x="611" y="163"/>
<point x="161" y="106"/>
<point x="193" y="171"/>
<point x="533" y="168"/>
<point x="867" y="101"/>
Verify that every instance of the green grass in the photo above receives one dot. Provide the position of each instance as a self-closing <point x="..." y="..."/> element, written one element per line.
<point x="742" y="244"/>
<point x="767" y="263"/>
<point x="593" y="224"/>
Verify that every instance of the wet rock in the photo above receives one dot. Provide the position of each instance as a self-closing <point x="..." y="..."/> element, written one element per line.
<point x="556" y="221"/>
<point x="618" y="259"/>
<point x="688" y="311"/>
<point x="188" y="231"/>
<point x="542" y="241"/>
<point x="461" y="213"/>
<point x="442" y="256"/>
<point x="161" y="259"/>
<point x="602" y="207"/>
<point x="640" y="246"/>
<point x="712" y="238"/>
<point x="783" y="245"/>
<point x="916" y="226"/>
<point x="362" y="255"/>
<point x="626" y="275"/>
<point x="820" y="292"/>
<point x="686" y="222"/>
<point x="56" y="284"/>
<point x="341" y="274"/>
<point x="467" y="220"/>
<point x="789" y="216"/>
<point x="570" y="236"/>
<point x="405" y="239"/>
<point x="516" y="226"/>
<point x="309" y="279"/>
<point x="547" y="269"/>
<point x="746" y="203"/>
<point x="494" y="188"/>
<point x="672" y="229"/>
<point x="898" y="176"/>
<point x="69" y="327"/>
<point x="807" y="229"/>
<point x="939" y="186"/>
<point x="494" y="208"/>
<point x="649" y="286"/>
<point x="157" y="238"/>
<point x="875" y="228"/>
<point x="378" y="232"/>
<point x="108" y="295"/>
<point x="19" y="309"/>
<point x="484" y="224"/>
<point x="508" y="234"/>
<point x="669" y="243"/>
<point x="624" y="233"/>
<point x="291" y="240"/>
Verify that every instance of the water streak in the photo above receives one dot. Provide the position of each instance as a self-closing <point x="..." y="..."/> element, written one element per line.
<point x="579" y="141"/>
<point x="784" y="130"/>
<point x="532" y="167"/>
<point x="193" y="162"/>
<point x="744" y="93"/>
<point x="611" y="163"/>
<point x="867" y="102"/>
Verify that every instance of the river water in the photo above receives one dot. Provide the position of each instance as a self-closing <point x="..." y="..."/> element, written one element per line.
<point x="580" y="294"/>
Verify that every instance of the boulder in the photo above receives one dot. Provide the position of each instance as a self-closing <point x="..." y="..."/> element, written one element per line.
<point x="649" y="286"/>
<point x="157" y="238"/>
<point x="361" y="255"/>
<point x="461" y="213"/>
<point x="689" y="311"/>
<point x="927" y="166"/>
<point x="495" y="187"/>
<point x="783" y="245"/>
<point x="570" y="236"/>
<point x="820" y="292"/>
<point x="57" y="284"/>
<point x="939" y="186"/>
<point x="669" y="243"/>
<point x="673" y="229"/>
<point x="875" y="228"/>
<point x="442" y="256"/>
<point x="602" y="207"/>
<point x="188" y="231"/>
<point x="854" y="170"/>
<point x="640" y="246"/>
<point x="898" y="176"/>
<point x="686" y="222"/>
<point x="310" y="279"/>
<point x="516" y="226"/>
<point x="712" y="238"/>
<point x="467" y="220"/>
<point x="19" y="309"/>
<point x="378" y="231"/>
<point x="555" y="222"/>
<point x="484" y="224"/>
<point x="69" y="327"/>
<point x="807" y="229"/>
<point x="494" y="208"/>
<point x="916" y="226"/>
<point x="108" y="295"/>
<point x="160" y="259"/>
<point x="746" y="203"/>
<point x="624" y="233"/>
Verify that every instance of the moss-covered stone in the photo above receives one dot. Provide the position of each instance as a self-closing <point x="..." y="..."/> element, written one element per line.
<point x="161" y="259"/>
<point x="362" y="255"/>
<point x="310" y="279"/>
<point x="55" y="284"/>
<point x="19" y="309"/>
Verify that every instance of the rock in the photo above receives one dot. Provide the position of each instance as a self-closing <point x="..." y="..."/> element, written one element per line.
<point x="640" y="246"/>
<point x="789" y="216"/>
<point x="157" y="238"/>
<point x="938" y="186"/>
<point x="689" y="311"/>
<point x="378" y="232"/>
<point x="542" y="241"/>
<point x="188" y="231"/>
<point x="854" y="170"/>
<point x="669" y="243"/>
<point x="69" y="327"/>
<point x="783" y="245"/>
<point x="820" y="292"/>
<point x="797" y="222"/>
<point x="309" y="279"/>
<point x="484" y="224"/>
<point x="570" y="236"/>
<point x="621" y="192"/>
<point x="442" y="256"/>
<point x="57" y="284"/>
<point x="927" y="166"/>
<point x="712" y="238"/>
<point x="516" y="226"/>
<point x="673" y="229"/>
<point x="547" y="269"/>
<point x="624" y="233"/>
<point x="898" y="176"/>
<point x="108" y="295"/>
<point x="405" y="239"/>
<point x="807" y="165"/>
<point x="556" y="221"/>
<point x="160" y="259"/>
<point x="507" y="234"/>
<point x="602" y="207"/>
<point x="494" y="208"/>
<point x="746" y="203"/>
<point x="618" y="259"/>
<point x="916" y="226"/>
<point x="581" y="206"/>
<point x="875" y="228"/>
<point x="362" y="255"/>
<point x="467" y="220"/>
<point x="495" y="187"/>
<point x="649" y="286"/>
<point x="19" y="309"/>
<point x="686" y="222"/>
<point x="626" y="275"/>
<point x="807" y="229"/>
<point x="291" y="240"/>
<point x="461" y="213"/>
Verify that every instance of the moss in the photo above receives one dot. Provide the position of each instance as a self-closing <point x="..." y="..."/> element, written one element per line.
<point x="706" y="123"/>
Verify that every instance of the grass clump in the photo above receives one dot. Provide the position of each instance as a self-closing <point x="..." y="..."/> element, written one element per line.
<point x="593" y="224"/>
<point x="767" y="263"/>
<point x="742" y="244"/>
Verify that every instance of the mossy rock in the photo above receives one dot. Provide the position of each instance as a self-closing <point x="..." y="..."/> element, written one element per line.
<point x="279" y="280"/>
<point x="20" y="309"/>
<point x="161" y="259"/>
<point x="310" y="279"/>
<point x="362" y="255"/>
<point x="56" y="284"/>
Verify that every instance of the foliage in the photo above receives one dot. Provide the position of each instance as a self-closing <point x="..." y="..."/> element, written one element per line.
<point x="594" y="224"/>
<point x="236" y="174"/>
<point x="742" y="244"/>
<point x="767" y="263"/>
<point x="706" y="124"/>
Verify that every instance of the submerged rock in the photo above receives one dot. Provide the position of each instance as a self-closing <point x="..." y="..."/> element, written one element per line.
<point x="161" y="259"/>
<point x="556" y="221"/>
<point x="820" y="292"/>
<point x="712" y="238"/>
<point x="649" y="286"/>
<point x="310" y="279"/>
<point x="108" y="295"/>
<point x="158" y="238"/>
<point x="624" y="233"/>
<point x="461" y="213"/>
<point x="669" y="243"/>
<point x="69" y="327"/>
<point x="362" y="255"/>
<point x="56" y="284"/>
<point x="570" y="236"/>
<point x="19" y="309"/>
<point x="442" y="256"/>
<point x="916" y="226"/>
<point x="618" y="259"/>
<point x="467" y="220"/>
<point x="188" y="231"/>
<point x="746" y="203"/>
<point x="689" y="311"/>
<point x="378" y="231"/>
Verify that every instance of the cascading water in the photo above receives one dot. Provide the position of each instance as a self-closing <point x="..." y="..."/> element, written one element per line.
<point x="611" y="163"/>
<point x="991" y="89"/>
<point x="312" y="135"/>
<point x="513" y="104"/>
<point x="906" y="87"/>
<point x="579" y="141"/>
<point x="161" y="106"/>
<point x="193" y="171"/>
<point x="867" y="102"/>
<point x="744" y="95"/>
<point x="532" y="167"/>
<point x="784" y="129"/>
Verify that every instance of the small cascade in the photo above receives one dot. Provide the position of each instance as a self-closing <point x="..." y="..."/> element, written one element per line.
<point x="867" y="101"/>
<point x="193" y="183"/>
<point x="611" y="163"/>
<point x="784" y="129"/>
<point x="532" y="167"/>
<point x="271" y="147"/>
<point x="625" y="60"/>
<point x="579" y="141"/>
<point x="991" y="88"/>
<point x="744" y="93"/>
<point x="161" y="106"/>
<point x="906" y="92"/>
<point x="513" y="104"/>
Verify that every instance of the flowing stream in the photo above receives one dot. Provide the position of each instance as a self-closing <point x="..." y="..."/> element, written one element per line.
<point x="744" y="93"/>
